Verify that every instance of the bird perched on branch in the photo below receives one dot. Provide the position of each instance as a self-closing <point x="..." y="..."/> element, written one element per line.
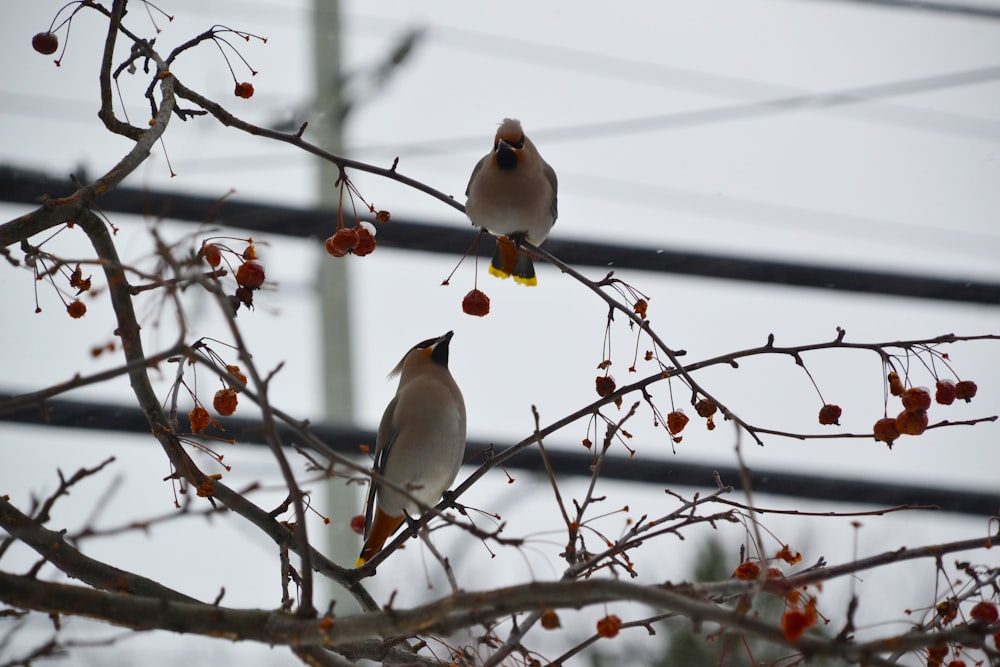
<point x="512" y="194"/>
<point x="420" y="442"/>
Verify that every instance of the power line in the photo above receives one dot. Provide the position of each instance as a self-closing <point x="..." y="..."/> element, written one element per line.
<point x="564" y="460"/>
<point x="976" y="11"/>
<point x="24" y="187"/>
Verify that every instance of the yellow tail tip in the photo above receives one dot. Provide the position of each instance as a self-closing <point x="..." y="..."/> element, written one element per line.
<point x="499" y="273"/>
<point x="530" y="282"/>
<point x="359" y="563"/>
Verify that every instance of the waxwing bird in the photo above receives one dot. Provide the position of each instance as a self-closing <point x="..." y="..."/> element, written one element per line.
<point x="512" y="193"/>
<point x="420" y="442"/>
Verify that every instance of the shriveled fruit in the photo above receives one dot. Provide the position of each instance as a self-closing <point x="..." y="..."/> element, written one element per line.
<point x="76" y="309"/>
<point x="199" y="419"/>
<point x="212" y="254"/>
<point x="984" y="612"/>
<point x="705" y="408"/>
<point x="609" y="626"/>
<point x="830" y="414"/>
<point x="676" y="421"/>
<point x="225" y="401"/>
<point x="342" y="242"/>
<point x="895" y="385"/>
<point x="885" y="430"/>
<point x="605" y="385"/>
<point x="366" y="243"/>
<point x="250" y="275"/>
<point x="45" y="43"/>
<point x="944" y="392"/>
<point x="911" y="423"/>
<point x="550" y="620"/>
<point x="965" y="390"/>
<point x="476" y="303"/>
<point x="916" y="399"/>
<point x="244" y="89"/>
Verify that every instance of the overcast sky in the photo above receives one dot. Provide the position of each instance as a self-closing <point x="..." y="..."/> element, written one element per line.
<point x="660" y="120"/>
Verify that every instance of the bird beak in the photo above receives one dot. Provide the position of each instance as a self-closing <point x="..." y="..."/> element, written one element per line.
<point x="444" y="339"/>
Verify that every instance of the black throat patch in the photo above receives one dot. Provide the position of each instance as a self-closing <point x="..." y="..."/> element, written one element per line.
<point x="506" y="158"/>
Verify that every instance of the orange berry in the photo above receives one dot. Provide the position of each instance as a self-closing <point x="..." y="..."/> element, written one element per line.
<point x="640" y="307"/>
<point x="830" y="414"/>
<point x="936" y="655"/>
<point x="225" y="401"/>
<point x="609" y="626"/>
<point x="476" y="303"/>
<point x="235" y="371"/>
<point x="244" y="89"/>
<point x="366" y="243"/>
<point x="916" y="399"/>
<point x="383" y="216"/>
<point x="747" y="571"/>
<point x="605" y="385"/>
<point x="550" y="620"/>
<point x="45" y="43"/>
<point x="794" y="622"/>
<point x="77" y="309"/>
<point x="984" y="612"/>
<point x="944" y="392"/>
<point x="199" y="419"/>
<point x="705" y="408"/>
<point x="358" y="524"/>
<point x="965" y="390"/>
<point x="212" y="254"/>
<point x="895" y="385"/>
<point x="342" y="242"/>
<point x="885" y="430"/>
<point x="911" y="423"/>
<point x="676" y="421"/>
<point x="250" y="275"/>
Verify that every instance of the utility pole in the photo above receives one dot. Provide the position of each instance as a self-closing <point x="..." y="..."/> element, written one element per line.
<point x="342" y="545"/>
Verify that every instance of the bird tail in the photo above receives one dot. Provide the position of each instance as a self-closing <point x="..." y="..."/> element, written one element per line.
<point x="509" y="260"/>
<point x="382" y="527"/>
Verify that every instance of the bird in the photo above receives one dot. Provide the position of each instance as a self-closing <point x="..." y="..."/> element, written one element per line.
<point x="420" y="442"/>
<point x="512" y="194"/>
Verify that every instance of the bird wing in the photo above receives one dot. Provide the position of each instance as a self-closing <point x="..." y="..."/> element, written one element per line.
<point x="475" y="170"/>
<point x="383" y="441"/>
<point x="550" y="174"/>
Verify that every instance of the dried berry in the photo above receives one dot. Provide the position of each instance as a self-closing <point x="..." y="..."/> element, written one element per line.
<point x="199" y="419"/>
<point x="911" y="423"/>
<point x="916" y="399"/>
<point x="965" y="390"/>
<point x="212" y="254"/>
<point x="244" y="89"/>
<point x="366" y="243"/>
<point x="830" y="414"/>
<point x="944" y="392"/>
<point x="342" y="242"/>
<point x="895" y="385"/>
<point x="609" y="626"/>
<point x="76" y="309"/>
<point x="225" y="401"/>
<point x="794" y="622"/>
<point x="984" y="612"/>
<point x="705" y="408"/>
<point x="550" y="620"/>
<point x="45" y="43"/>
<point x="235" y="371"/>
<point x="250" y="275"/>
<point x="476" y="303"/>
<point x="605" y="385"/>
<point x="885" y="430"/>
<point x="747" y="571"/>
<point x="676" y="421"/>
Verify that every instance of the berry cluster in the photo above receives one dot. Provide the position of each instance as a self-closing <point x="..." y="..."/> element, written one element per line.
<point x="916" y="401"/>
<point x="249" y="271"/>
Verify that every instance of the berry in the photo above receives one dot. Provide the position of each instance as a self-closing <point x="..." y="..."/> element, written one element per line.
<point x="885" y="430"/>
<point x="342" y="242"/>
<point x="476" y="303"/>
<point x="244" y="90"/>
<point x="199" y="419"/>
<point x="916" y="399"/>
<point x="605" y="385"/>
<point x="243" y="295"/>
<point x="212" y="254"/>
<point x="984" y="612"/>
<point x="250" y="275"/>
<point x="945" y="392"/>
<point x="225" y="401"/>
<point x="676" y="421"/>
<point x="358" y="524"/>
<point x="77" y="309"/>
<point x="235" y="371"/>
<point x="895" y="385"/>
<point x="45" y="43"/>
<point x="550" y="620"/>
<point x="366" y="243"/>
<point x="965" y="390"/>
<point x="609" y="626"/>
<point x="830" y="414"/>
<point x="705" y="408"/>
<point x="911" y="423"/>
<point x="747" y="571"/>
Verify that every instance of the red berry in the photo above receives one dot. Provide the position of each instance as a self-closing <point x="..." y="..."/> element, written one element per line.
<point x="366" y="243"/>
<point x="212" y="254"/>
<point x="358" y="524"/>
<point x="225" y="401"/>
<point x="250" y="275"/>
<point x="966" y="389"/>
<point x="609" y="626"/>
<point x="476" y="303"/>
<point x="342" y="242"/>
<point x="45" y="43"/>
<point x="77" y="309"/>
<point x="705" y="408"/>
<point x="945" y="392"/>
<point x="605" y="385"/>
<point x="911" y="423"/>
<point x="916" y="399"/>
<point x="244" y="90"/>
<point x="676" y="421"/>
<point x="885" y="430"/>
<point x="830" y="414"/>
<point x="985" y="612"/>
